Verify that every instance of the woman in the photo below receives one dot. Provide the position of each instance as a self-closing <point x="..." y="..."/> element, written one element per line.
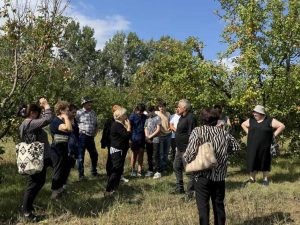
<point x="72" y="143"/>
<point x="31" y="131"/>
<point x="119" y="137"/>
<point x="60" y="128"/>
<point x="210" y="184"/>
<point x="137" y="120"/>
<point x="261" y="130"/>
<point x="105" y="143"/>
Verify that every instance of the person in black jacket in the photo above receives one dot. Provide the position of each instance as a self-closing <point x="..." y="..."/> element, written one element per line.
<point x="105" y="140"/>
<point x="119" y="144"/>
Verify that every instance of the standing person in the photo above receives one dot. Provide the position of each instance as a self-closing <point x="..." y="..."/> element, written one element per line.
<point x="152" y="130"/>
<point x="31" y="130"/>
<point x="173" y="126"/>
<point x="261" y="130"/>
<point x="165" y="135"/>
<point x="60" y="127"/>
<point x="210" y="184"/>
<point x="119" y="136"/>
<point x="184" y="128"/>
<point x="105" y="143"/>
<point x="88" y="128"/>
<point x="137" y="120"/>
<point x="224" y="120"/>
<point x="72" y="142"/>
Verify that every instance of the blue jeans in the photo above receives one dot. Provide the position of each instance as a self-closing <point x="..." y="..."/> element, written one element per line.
<point x="164" y="146"/>
<point x="87" y="142"/>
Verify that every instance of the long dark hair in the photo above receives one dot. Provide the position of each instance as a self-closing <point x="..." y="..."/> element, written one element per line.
<point x="25" y="110"/>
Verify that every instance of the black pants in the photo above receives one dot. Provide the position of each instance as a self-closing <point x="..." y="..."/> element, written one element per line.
<point x="70" y="164"/>
<point x="34" y="184"/>
<point x="178" y="166"/>
<point x="116" y="173"/>
<point x="59" y="156"/>
<point x="173" y="149"/>
<point x="108" y="163"/>
<point x="206" y="190"/>
<point x="153" y="155"/>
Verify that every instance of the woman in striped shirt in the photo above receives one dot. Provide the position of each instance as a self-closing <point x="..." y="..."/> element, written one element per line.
<point x="210" y="184"/>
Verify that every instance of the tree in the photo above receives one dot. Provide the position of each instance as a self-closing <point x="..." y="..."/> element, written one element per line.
<point x="26" y="42"/>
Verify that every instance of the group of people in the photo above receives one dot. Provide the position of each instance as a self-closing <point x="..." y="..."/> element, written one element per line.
<point x="152" y="129"/>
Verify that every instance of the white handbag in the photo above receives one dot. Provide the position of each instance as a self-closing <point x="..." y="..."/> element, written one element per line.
<point x="205" y="159"/>
<point x="30" y="157"/>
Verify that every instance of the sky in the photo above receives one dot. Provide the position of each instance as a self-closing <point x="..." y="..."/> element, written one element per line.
<point x="153" y="19"/>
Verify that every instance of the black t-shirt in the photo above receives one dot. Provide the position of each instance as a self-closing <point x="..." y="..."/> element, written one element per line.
<point x="54" y="126"/>
<point x="119" y="136"/>
<point x="184" y="128"/>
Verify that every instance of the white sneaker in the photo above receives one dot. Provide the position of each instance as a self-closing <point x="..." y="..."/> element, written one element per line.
<point x="149" y="174"/>
<point x="157" y="175"/>
<point x="125" y="180"/>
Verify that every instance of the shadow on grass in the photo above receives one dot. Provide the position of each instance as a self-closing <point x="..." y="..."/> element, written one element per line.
<point x="274" y="218"/>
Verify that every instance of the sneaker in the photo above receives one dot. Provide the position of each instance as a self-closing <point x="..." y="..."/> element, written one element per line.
<point x="249" y="181"/>
<point x="139" y="174"/>
<point x="56" y="193"/>
<point x="125" y="180"/>
<point x="133" y="173"/>
<point x="31" y="218"/>
<point x="157" y="175"/>
<point x="149" y="174"/>
<point x="265" y="183"/>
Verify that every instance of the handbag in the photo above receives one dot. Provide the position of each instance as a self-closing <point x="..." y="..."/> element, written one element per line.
<point x="274" y="149"/>
<point x="30" y="157"/>
<point x="30" y="154"/>
<point x="205" y="159"/>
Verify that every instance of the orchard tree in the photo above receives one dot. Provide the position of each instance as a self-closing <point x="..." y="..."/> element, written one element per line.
<point x="27" y="38"/>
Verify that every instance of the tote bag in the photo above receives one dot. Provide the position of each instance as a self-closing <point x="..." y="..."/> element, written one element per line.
<point x="205" y="159"/>
<point x="30" y="154"/>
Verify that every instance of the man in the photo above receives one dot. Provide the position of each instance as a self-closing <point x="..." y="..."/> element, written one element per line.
<point x="88" y="128"/>
<point x="185" y="126"/>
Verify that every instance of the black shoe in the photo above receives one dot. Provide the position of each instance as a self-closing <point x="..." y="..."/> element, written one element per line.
<point x="96" y="175"/>
<point x="177" y="192"/>
<point x="188" y="197"/>
<point x="82" y="178"/>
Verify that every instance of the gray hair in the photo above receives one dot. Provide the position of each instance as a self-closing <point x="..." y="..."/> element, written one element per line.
<point x="186" y="103"/>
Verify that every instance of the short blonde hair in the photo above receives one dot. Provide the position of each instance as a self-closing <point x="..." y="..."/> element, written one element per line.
<point x="60" y="106"/>
<point x="119" y="113"/>
<point x="115" y="107"/>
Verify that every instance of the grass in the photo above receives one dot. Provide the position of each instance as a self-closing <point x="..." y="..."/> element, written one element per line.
<point x="148" y="202"/>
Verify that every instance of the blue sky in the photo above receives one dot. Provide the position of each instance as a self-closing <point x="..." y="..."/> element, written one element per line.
<point x="152" y="19"/>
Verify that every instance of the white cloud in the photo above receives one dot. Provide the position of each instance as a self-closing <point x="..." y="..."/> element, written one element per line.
<point x="104" y="28"/>
<point x="228" y="62"/>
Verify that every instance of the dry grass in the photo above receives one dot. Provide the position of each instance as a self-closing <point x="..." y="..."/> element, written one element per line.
<point x="148" y="202"/>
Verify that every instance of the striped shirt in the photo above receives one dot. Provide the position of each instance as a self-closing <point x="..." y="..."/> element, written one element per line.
<point x="223" y="143"/>
<point x="87" y="122"/>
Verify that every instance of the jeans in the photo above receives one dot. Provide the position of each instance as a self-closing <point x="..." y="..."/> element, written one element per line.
<point x="87" y="142"/>
<point x="173" y="149"/>
<point x="178" y="166"/>
<point x="205" y="190"/>
<point x="164" y="145"/>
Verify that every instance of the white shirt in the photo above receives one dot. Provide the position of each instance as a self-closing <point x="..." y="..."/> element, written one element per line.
<point x="174" y="120"/>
